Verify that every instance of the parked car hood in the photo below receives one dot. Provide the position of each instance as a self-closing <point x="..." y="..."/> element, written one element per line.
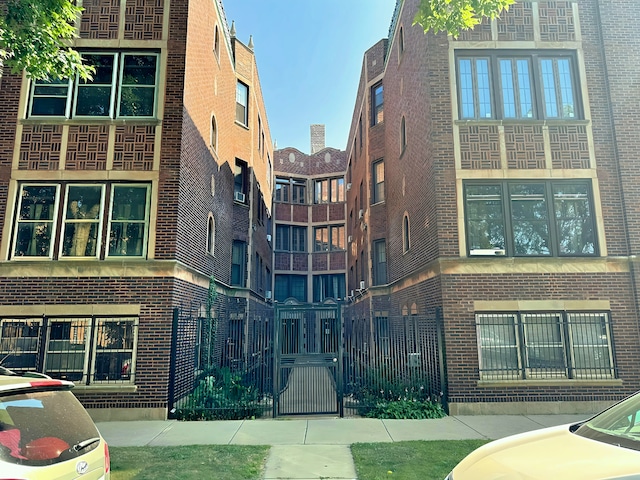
<point x="549" y="453"/>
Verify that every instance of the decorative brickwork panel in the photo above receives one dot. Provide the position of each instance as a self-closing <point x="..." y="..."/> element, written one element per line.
<point x="336" y="212"/>
<point x="320" y="262"/>
<point x="144" y="19"/>
<point x="300" y="262"/>
<point x="525" y="146"/>
<point x="338" y="260"/>
<point x="100" y="19"/>
<point x="569" y="147"/>
<point x="517" y="23"/>
<point x="40" y="147"/>
<point x="480" y="147"/>
<point x="134" y="147"/>
<point x="87" y="147"/>
<point x="300" y="213"/>
<point x="282" y="261"/>
<point x="478" y="33"/>
<point x="556" y="22"/>
<point x="282" y="212"/>
<point x="320" y="213"/>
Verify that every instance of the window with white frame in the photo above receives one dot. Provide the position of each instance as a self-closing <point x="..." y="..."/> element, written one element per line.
<point x="530" y="218"/>
<point x="124" y="85"/>
<point x="86" y="350"/>
<point x="242" y="104"/>
<point x="545" y="345"/>
<point x="517" y="85"/>
<point x="84" y="215"/>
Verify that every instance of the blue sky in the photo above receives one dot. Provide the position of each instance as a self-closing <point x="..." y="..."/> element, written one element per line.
<point x="309" y="55"/>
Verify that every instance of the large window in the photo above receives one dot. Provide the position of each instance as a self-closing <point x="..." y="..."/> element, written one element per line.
<point x="291" y="238"/>
<point x="124" y="85"/>
<point x="290" y="190"/>
<point x="82" y="220"/>
<point x="517" y="218"/>
<point x="242" y="104"/>
<point x="330" y="190"/>
<point x="290" y="286"/>
<point x="517" y="85"/>
<point x="546" y="345"/>
<point x="238" y="263"/>
<point x="379" y="262"/>
<point x="328" y="286"/>
<point x="378" y="181"/>
<point x="240" y="182"/>
<point x="84" y="350"/>
<point x="329" y="238"/>
<point x="377" y="104"/>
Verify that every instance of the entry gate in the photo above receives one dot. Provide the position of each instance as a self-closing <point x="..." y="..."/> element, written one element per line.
<point x="308" y="351"/>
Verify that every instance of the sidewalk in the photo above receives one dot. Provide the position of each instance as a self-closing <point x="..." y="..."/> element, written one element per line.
<point x="306" y="449"/>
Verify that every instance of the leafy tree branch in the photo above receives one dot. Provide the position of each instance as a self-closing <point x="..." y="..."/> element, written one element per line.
<point x="452" y="16"/>
<point x="36" y="36"/>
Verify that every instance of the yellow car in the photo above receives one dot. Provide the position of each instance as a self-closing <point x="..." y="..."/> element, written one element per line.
<point x="46" y="434"/>
<point x="607" y="446"/>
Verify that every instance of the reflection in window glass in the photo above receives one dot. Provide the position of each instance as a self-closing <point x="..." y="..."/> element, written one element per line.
<point x="574" y="221"/>
<point x="94" y="97"/>
<point x="129" y="219"/>
<point x="82" y="221"/>
<point x="485" y="217"/>
<point x="36" y="221"/>
<point x="530" y="219"/>
<point x="138" y="88"/>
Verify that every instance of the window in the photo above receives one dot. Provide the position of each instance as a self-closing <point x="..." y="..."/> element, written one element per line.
<point x="213" y="135"/>
<point x="403" y="135"/>
<point x="211" y="235"/>
<point x="291" y="238"/>
<point x="238" y="263"/>
<point x="124" y="85"/>
<point x="546" y="345"/>
<point x="290" y="190"/>
<point x="545" y="218"/>
<point x="240" y="180"/>
<point x="290" y="286"/>
<point x="329" y="238"/>
<point x="379" y="262"/>
<point x="400" y="42"/>
<point x="405" y="234"/>
<point x="86" y="350"/>
<point x="330" y="190"/>
<point x="360" y="133"/>
<point x="328" y="286"/>
<point x="216" y="42"/>
<point x="83" y="213"/>
<point x="382" y="334"/>
<point x="242" y="104"/>
<point x="377" y="104"/>
<point x="378" y="182"/>
<point x="514" y="85"/>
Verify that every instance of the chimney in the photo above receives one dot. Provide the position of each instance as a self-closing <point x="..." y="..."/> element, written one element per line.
<point x="317" y="138"/>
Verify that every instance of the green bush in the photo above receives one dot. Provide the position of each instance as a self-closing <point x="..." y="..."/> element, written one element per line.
<point x="414" y="409"/>
<point x="221" y="395"/>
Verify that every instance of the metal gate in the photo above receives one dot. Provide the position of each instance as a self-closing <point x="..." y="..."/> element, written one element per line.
<point x="308" y="351"/>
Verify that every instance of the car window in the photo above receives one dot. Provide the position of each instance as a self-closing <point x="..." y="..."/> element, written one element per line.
<point x="42" y="428"/>
<point x="618" y="425"/>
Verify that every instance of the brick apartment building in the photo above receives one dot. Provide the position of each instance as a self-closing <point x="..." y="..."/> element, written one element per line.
<point x="309" y="216"/>
<point x="127" y="199"/>
<point x="494" y="181"/>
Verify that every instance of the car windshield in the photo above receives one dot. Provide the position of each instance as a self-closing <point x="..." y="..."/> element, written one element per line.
<point x="43" y="428"/>
<point x="619" y="425"/>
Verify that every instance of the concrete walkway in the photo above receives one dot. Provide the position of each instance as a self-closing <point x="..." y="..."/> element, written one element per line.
<point x="318" y="448"/>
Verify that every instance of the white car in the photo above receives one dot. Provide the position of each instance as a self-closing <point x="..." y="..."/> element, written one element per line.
<point x="606" y="446"/>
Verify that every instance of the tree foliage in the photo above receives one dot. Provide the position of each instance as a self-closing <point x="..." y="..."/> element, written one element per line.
<point x="36" y="36"/>
<point x="452" y="16"/>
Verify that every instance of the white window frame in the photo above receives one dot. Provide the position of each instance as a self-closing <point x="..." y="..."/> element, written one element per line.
<point x="120" y="70"/>
<point x="35" y="84"/>
<point x="86" y="322"/>
<point x="514" y="374"/>
<point x="54" y="222"/>
<point x="114" y="74"/>
<point x="145" y="222"/>
<point x="545" y="373"/>
<point x="65" y="221"/>
<point x="99" y="320"/>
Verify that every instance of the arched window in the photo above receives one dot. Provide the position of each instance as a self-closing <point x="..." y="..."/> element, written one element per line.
<point x="216" y="43"/>
<point x="405" y="234"/>
<point x="403" y="135"/>
<point x="211" y="235"/>
<point x="214" y="133"/>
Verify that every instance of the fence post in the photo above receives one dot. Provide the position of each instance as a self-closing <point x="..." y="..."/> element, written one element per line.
<point x="444" y="388"/>
<point x="172" y="363"/>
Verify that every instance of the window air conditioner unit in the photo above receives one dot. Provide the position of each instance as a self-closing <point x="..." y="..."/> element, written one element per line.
<point x="268" y="237"/>
<point x="267" y="294"/>
<point x="348" y="187"/>
<point x="238" y="197"/>
<point x="349" y="239"/>
<point x="361" y="284"/>
<point x="361" y="214"/>
<point x="487" y="252"/>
